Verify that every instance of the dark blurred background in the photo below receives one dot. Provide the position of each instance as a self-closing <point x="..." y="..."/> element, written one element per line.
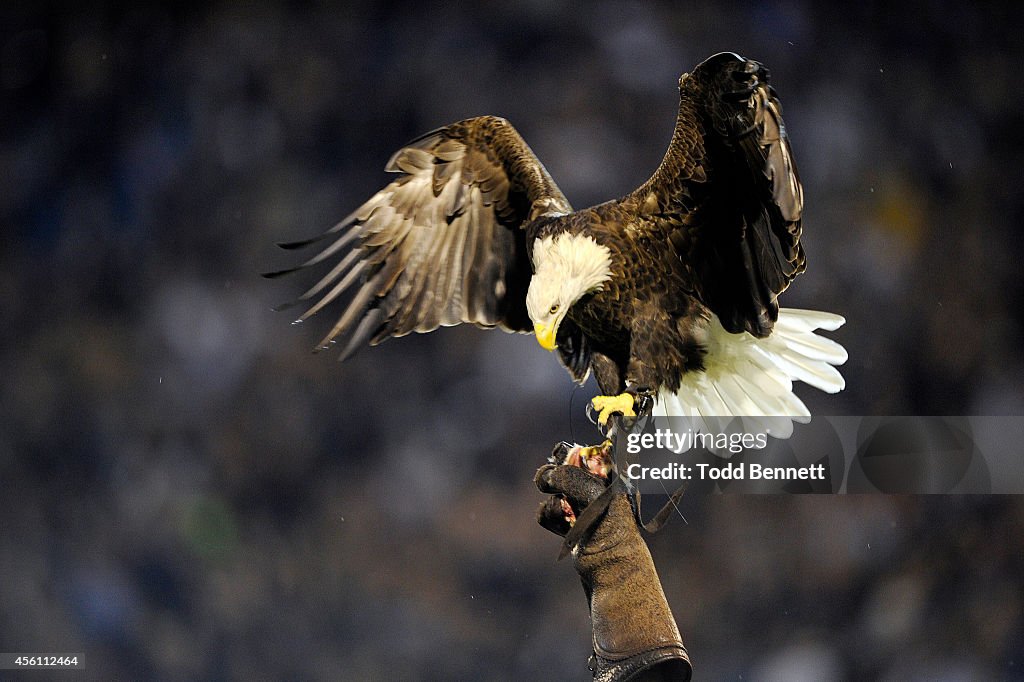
<point x="186" y="492"/>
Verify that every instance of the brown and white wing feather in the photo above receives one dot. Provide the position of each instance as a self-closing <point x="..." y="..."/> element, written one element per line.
<point x="444" y="243"/>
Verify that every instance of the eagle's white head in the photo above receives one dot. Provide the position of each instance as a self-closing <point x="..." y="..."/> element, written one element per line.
<point x="566" y="267"/>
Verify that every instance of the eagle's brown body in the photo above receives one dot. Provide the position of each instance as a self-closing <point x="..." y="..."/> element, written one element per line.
<point x="639" y="326"/>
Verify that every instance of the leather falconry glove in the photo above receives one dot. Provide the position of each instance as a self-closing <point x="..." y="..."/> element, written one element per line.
<point x="635" y="636"/>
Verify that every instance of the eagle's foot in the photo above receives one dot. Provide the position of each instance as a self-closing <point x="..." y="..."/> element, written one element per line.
<point x="607" y="405"/>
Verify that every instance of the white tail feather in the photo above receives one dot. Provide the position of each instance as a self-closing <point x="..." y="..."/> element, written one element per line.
<point x="752" y="379"/>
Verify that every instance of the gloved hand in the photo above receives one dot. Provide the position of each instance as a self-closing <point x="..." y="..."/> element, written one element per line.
<point x="635" y="635"/>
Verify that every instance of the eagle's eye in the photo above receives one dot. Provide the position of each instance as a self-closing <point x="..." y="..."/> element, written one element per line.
<point x="553" y="309"/>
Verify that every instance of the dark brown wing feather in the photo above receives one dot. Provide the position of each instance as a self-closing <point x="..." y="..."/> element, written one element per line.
<point x="444" y="243"/>
<point x="730" y="193"/>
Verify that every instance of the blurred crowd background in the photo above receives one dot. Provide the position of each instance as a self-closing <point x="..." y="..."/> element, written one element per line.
<point x="186" y="492"/>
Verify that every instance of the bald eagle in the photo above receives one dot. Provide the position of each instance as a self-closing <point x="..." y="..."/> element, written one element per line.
<point x="669" y="292"/>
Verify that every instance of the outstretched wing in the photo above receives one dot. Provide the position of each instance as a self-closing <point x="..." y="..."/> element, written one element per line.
<point x="740" y="234"/>
<point x="442" y="244"/>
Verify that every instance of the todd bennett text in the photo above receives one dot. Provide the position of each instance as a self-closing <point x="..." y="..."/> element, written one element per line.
<point x="728" y="471"/>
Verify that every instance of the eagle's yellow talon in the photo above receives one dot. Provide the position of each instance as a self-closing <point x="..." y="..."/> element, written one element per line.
<point x="607" y="405"/>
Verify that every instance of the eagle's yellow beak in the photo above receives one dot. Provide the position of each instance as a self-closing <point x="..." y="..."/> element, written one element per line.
<point x="546" y="335"/>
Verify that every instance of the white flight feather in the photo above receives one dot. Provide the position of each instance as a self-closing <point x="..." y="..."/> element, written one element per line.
<point x="747" y="385"/>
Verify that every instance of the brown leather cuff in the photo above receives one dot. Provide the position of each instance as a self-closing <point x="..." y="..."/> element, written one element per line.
<point x="670" y="663"/>
<point x="634" y="631"/>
